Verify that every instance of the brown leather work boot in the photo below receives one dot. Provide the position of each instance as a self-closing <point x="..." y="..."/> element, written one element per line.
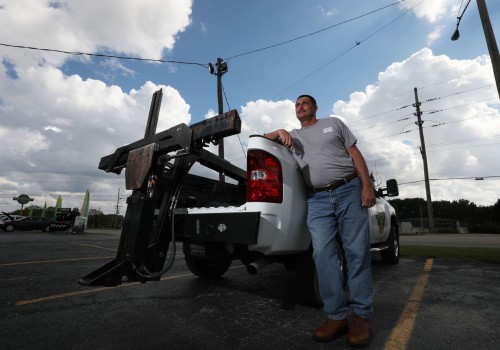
<point x="360" y="332"/>
<point x="330" y="330"/>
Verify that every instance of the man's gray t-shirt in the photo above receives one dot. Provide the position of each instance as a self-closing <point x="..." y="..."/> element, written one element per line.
<point x="321" y="151"/>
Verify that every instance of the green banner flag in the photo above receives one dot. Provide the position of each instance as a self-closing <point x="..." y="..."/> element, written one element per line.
<point x="85" y="206"/>
<point x="58" y="205"/>
<point x="44" y="208"/>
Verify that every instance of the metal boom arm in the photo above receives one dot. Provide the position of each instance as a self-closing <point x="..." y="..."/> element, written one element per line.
<point x="155" y="169"/>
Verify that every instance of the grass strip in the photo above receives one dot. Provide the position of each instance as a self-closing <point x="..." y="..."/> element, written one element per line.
<point x="489" y="255"/>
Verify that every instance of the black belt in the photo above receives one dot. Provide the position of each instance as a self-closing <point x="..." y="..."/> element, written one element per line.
<point x="336" y="184"/>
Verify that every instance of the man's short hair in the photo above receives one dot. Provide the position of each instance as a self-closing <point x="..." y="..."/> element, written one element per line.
<point x="313" y="100"/>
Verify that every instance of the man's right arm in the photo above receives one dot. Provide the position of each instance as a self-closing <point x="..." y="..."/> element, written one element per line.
<point x="273" y="135"/>
<point x="283" y="135"/>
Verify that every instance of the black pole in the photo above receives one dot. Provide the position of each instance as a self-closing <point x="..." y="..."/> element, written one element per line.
<point x="220" y="72"/>
<point x="490" y="41"/>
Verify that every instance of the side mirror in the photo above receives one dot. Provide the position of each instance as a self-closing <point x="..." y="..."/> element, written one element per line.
<point x="392" y="188"/>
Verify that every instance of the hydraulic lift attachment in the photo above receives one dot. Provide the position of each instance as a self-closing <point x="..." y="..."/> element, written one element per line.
<point x="156" y="167"/>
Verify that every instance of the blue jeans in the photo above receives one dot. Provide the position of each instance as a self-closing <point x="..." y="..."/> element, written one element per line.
<point x="340" y="212"/>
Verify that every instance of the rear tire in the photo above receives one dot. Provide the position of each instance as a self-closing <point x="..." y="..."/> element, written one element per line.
<point x="391" y="254"/>
<point x="307" y="279"/>
<point x="205" y="268"/>
<point x="9" y="228"/>
<point x="307" y="276"/>
<point x="208" y="268"/>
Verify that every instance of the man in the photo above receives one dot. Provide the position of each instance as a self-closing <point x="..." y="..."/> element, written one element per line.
<point x="340" y="191"/>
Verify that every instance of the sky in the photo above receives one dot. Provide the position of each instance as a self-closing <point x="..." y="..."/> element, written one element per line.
<point x="362" y="60"/>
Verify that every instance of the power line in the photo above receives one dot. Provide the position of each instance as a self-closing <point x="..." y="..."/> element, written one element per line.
<point x="103" y="55"/>
<point x="457" y="93"/>
<point x="392" y="155"/>
<point x="316" y="70"/>
<point x="463" y="120"/>
<point x="464" y="105"/>
<point x="377" y="115"/>
<point x="406" y="132"/>
<point x="346" y="51"/>
<point x="431" y="99"/>
<point x="313" y="33"/>
<point x="459" y="17"/>
<point x="455" y="148"/>
<point x="420" y="88"/>
<point x="406" y="117"/>
<point x="229" y="108"/>
<point x="362" y="119"/>
<point x="77" y="53"/>
<point x="462" y="141"/>
<point x="409" y="116"/>
<point x="452" y="178"/>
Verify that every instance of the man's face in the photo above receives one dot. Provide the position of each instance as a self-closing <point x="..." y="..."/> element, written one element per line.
<point x="304" y="109"/>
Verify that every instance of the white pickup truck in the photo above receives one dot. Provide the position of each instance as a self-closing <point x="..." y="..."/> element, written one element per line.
<point x="260" y="218"/>
<point x="271" y="225"/>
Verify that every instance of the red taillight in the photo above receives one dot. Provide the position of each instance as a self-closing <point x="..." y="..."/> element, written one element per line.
<point x="264" y="177"/>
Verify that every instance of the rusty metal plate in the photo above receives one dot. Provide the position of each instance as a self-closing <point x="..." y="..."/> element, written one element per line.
<point x="138" y="165"/>
<point x="217" y="127"/>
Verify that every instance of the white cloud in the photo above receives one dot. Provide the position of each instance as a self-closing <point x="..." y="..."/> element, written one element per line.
<point x="327" y="13"/>
<point x="52" y="128"/>
<point x="263" y="116"/>
<point x="19" y="142"/>
<point x="257" y="117"/>
<point x="204" y="28"/>
<point x="434" y="35"/>
<point x="432" y="11"/>
<point x="70" y="123"/>
<point x="453" y="94"/>
<point x="57" y="124"/>
<point x="126" y="26"/>
<point x="116" y="67"/>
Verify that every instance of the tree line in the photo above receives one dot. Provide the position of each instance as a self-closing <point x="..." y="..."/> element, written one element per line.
<point x="479" y="219"/>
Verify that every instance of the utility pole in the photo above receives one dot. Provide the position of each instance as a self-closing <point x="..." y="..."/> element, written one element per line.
<point x="221" y="69"/>
<point x="490" y="41"/>
<point x="419" y="122"/>
<point x="221" y="109"/>
<point x="489" y="36"/>
<point x="117" y="207"/>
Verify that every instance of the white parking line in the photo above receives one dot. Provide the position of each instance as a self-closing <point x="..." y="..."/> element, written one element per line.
<point x="94" y="246"/>
<point x="53" y="261"/>
<point x="102" y="289"/>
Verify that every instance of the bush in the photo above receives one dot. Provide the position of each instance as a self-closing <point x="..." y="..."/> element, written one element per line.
<point x="485" y="228"/>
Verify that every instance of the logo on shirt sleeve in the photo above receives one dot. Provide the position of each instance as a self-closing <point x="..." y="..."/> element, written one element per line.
<point x="326" y="130"/>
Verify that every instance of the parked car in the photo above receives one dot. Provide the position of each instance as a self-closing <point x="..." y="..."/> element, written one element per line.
<point x="31" y="223"/>
<point x="4" y="216"/>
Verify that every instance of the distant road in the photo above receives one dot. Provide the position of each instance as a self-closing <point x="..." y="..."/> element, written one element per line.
<point x="481" y="240"/>
<point x="104" y="231"/>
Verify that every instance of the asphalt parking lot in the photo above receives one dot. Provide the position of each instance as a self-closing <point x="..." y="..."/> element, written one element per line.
<point x="419" y="304"/>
